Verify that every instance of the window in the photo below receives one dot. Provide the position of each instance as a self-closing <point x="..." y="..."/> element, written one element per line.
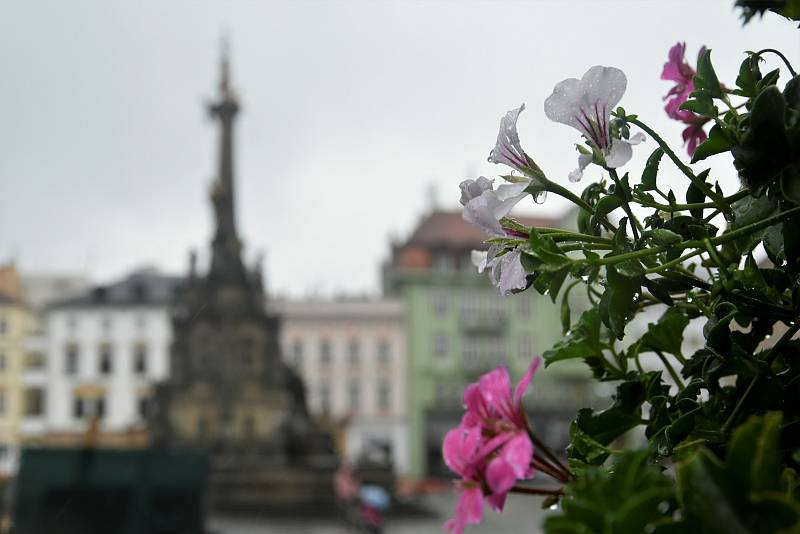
<point x="525" y="348"/>
<point x="439" y="303"/>
<point x="144" y="407"/>
<point x="83" y="407"/>
<point x="140" y="358"/>
<point x="249" y="427"/>
<point x="34" y="360"/>
<point x="524" y="306"/>
<point x="384" y="396"/>
<point x="3" y="361"/>
<point x="325" y="352"/>
<point x="354" y="352"/>
<point x="496" y="351"/>
<point x="77" y="408"/>
<point x="384" y="351"/>
<point x="34" y="401"/>
<point x="325" y="399"/>
<point x="3" y="326"/>
<point x="297" y="353"/>
<point x="2" y="402"/>
<point x="441" y="263"/>
<point x="440" y="345"/>
<point x="471" y="349"/>
<point x="71" y="359"/>
<point x="202" y="427"/>
<point x="106" y="365"/>
<point x="353" y="397"/>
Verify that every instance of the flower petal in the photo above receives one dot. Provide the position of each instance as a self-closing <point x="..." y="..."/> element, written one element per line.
<point x="480" y="211"/>
<point x="604" y="86"/>
<point x="583" y="161"/>
<point x="470" y="505"/>
<point x="513" y="276"/>
<point x="500" y="476"/>
<point x="518" y="453"/>
<point x="495" y="387"/>
<point x="496" y="501"/>
<point x="508" y="149"/>
<point x="525" y="381"/>
<point x="474" y="188"/>
<point x="672" y="68"/>
<point x="620" y="153"/>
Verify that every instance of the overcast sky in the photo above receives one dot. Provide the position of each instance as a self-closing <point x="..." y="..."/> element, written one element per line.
<point x="353" y="112"/>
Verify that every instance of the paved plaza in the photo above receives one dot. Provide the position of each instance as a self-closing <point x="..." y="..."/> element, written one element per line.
<point x="522" y="515"/>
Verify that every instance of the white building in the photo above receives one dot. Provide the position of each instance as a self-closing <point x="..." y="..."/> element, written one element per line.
<point x="351" y="355"/>
<point x="102" y="353"/>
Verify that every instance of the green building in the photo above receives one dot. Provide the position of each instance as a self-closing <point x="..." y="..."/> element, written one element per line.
<point x="459" y="326"/>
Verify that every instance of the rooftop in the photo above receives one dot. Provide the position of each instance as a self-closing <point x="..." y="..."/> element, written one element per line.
<point x="146" y="286"/>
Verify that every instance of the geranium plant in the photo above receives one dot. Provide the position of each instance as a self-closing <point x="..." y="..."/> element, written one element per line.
<point x="721" y="426"/>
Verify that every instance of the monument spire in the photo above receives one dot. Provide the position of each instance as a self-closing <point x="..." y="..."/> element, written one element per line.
<point x="226" y="263"/>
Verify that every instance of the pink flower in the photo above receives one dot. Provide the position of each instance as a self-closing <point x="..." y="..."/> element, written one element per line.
<point x="677" y="70"/>
<point x="680" y="72"/>
<point x="694" y="134"/>
<point x="491" y="448"/>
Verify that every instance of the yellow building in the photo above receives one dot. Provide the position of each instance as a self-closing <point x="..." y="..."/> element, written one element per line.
<point x="16" y="324"/>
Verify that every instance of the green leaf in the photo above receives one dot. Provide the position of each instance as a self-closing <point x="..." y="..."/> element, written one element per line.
<point x="666" y="335"/>
<point x="702" y="495"/>
<point x="651" y="171"/>
<point x="628" y="498"/>
<point x="695" y="195"/>
<point x="700" y="102"/>
<point x="753" y="458"/>
<point x="716" y="143"/>
<point x="706" y="79"/>
<point x="662" y="236"/>
<point x="609" y="424"/>
<point x="582" y="342"/>
<point x="749" y="76"/>
<point x="604" y="206"/>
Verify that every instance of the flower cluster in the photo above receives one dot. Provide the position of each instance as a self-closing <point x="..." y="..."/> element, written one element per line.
<point x="585" y="104"/>
<point x="491" y="449"/>
<point x="677" y="70"/>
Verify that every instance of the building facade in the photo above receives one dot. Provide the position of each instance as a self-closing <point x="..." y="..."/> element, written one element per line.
<point x="17" y="324"/>
<point x="458" y="327"/>
<point x="351" y="355"/>
<point x="97" y="358"/>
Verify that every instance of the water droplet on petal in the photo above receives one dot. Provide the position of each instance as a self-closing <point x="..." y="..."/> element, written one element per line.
<point x="540" y="196"/>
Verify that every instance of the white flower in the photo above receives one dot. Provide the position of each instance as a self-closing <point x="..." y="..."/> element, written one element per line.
<point x="487" y="208"/>
<point x="508" y="149"/>
<point x="508" y="274"/>
<point x="586" y="105"/>
<point x="474" y="188"/>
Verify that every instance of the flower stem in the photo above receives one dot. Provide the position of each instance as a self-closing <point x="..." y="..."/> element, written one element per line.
<point x="671" y="370"/>
<point x="779" y="54"/>
<point x="771" y="355"/>
<point x="718" y="200"/>
<point x="566" y="193"/>
<point x="536" y="491"/>
<point x="695" y="205"/>
<point x="548" y="468"/>
<point x="635" y="224"/>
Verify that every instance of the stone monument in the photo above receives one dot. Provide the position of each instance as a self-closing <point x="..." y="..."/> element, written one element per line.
<point x="229" y="393"/>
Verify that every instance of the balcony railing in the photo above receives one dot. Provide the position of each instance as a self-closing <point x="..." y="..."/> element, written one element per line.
<point x="483" y="321"/>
